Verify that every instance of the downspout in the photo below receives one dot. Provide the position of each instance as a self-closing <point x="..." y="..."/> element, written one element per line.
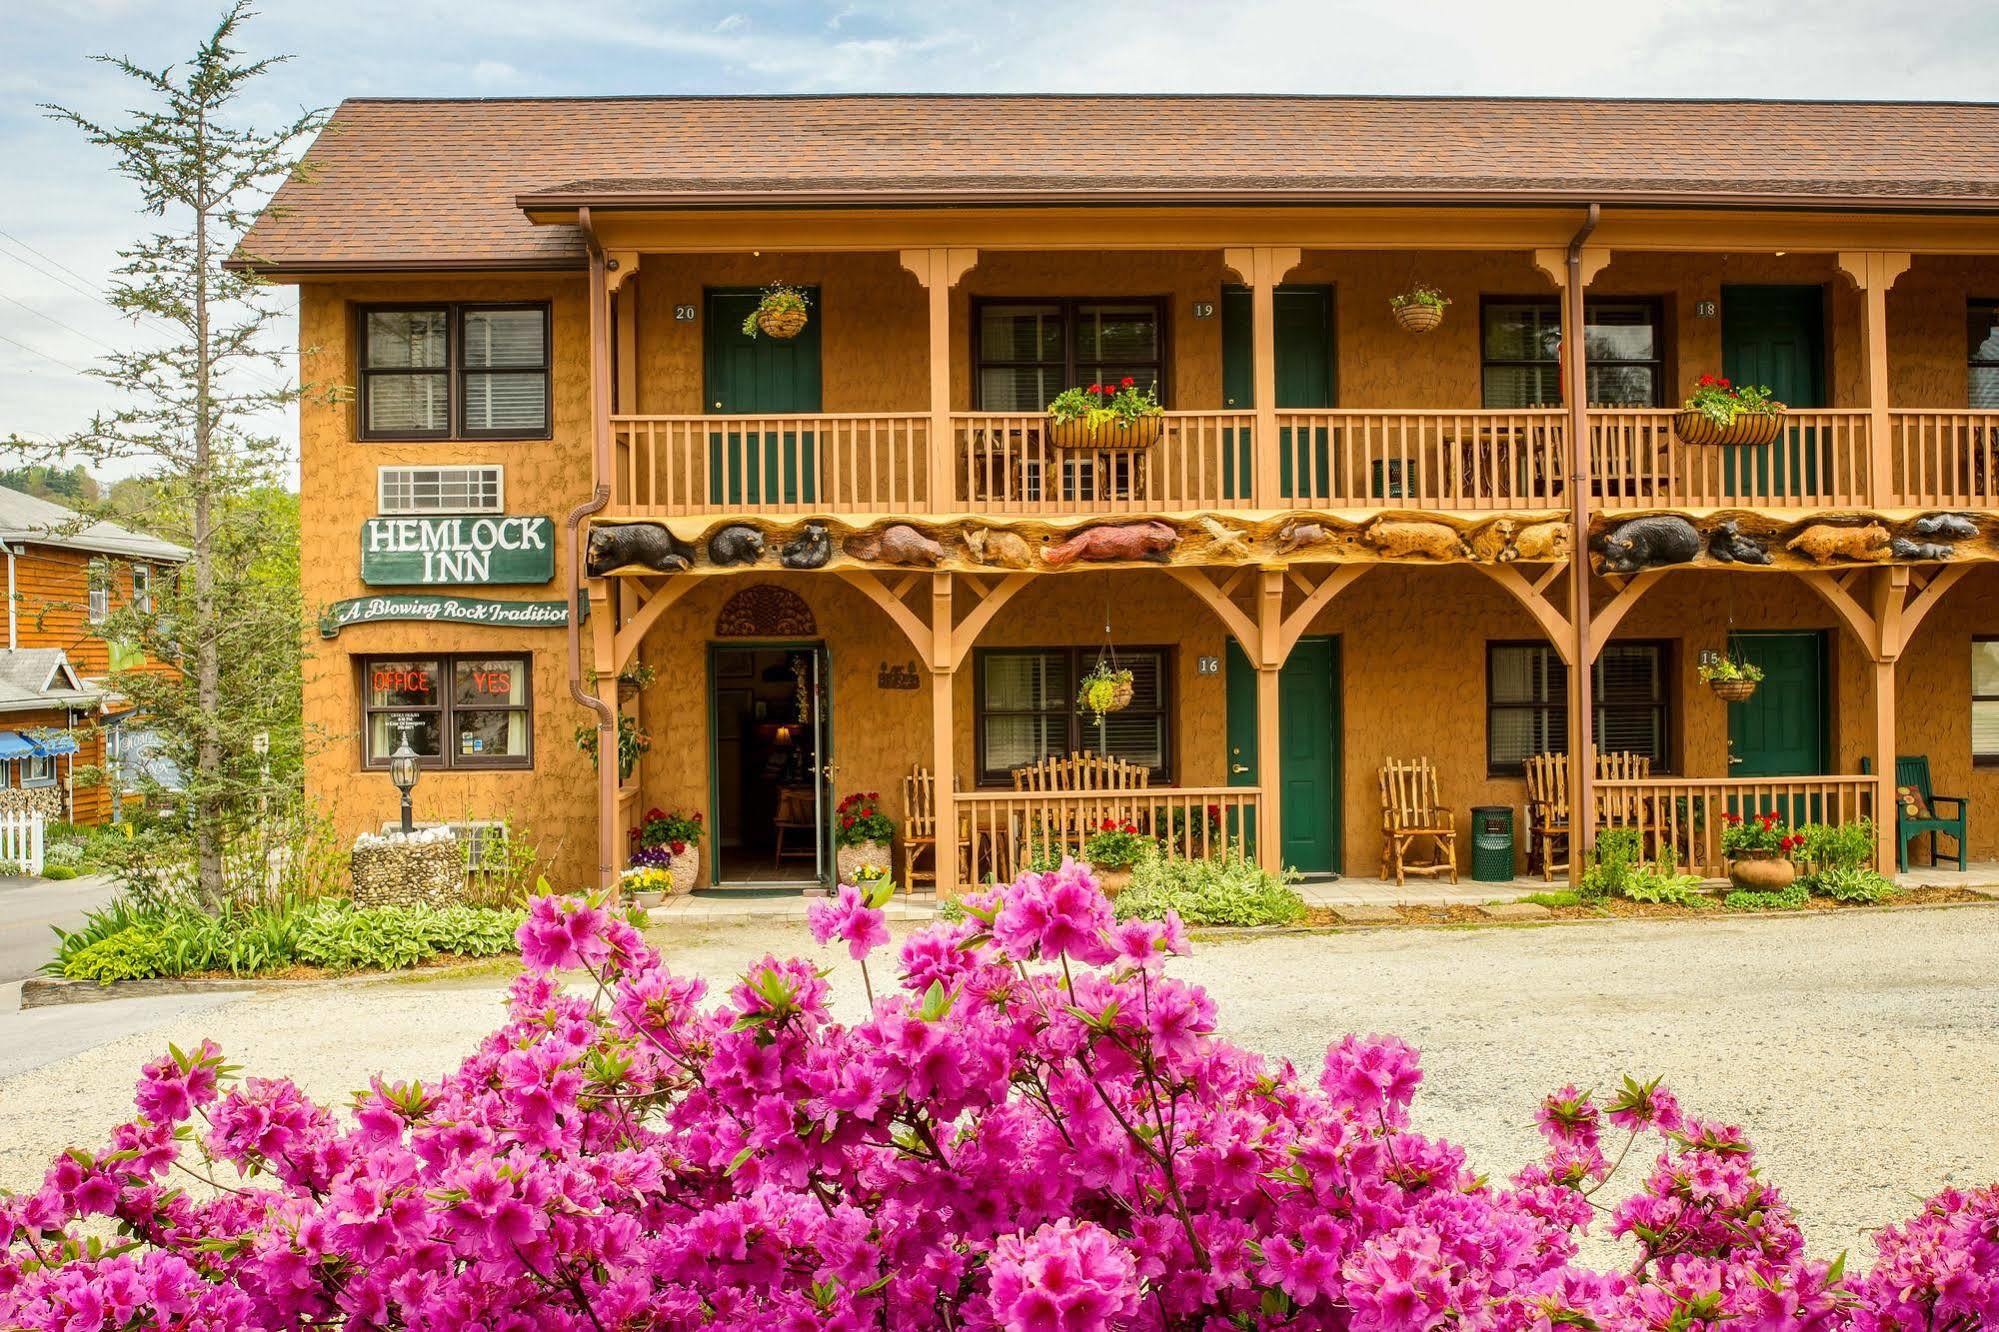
<point x="13" y="628"/>
<point x="600" y="470"/>
<point x="1582" y="814"/>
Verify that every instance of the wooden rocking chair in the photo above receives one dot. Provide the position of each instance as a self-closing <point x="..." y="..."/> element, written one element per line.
<point x="919" y="831"/>
<point x="1411" y="816"/>
<point x="1548" y="812"/>
<point x="1082" y="771"/>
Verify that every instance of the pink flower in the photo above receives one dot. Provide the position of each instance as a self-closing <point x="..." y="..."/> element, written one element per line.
<point x="1062" y="913"/>
<point x="562" y="933"/>
<point x="846" y="915"/>
<point x="1374" y="1078"/>
<point x="1068" y="1276"/>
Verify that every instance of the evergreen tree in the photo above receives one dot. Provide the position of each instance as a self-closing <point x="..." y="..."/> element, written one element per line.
<point x="229" y="620"/>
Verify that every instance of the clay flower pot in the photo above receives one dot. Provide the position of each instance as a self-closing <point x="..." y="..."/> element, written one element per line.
<point x="1761" y="871"/>
<point x="850" y="860"/>
<point x="1113" y="879"/>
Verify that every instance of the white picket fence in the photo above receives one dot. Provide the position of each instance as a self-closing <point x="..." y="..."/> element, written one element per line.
<point x="21" y="840"/>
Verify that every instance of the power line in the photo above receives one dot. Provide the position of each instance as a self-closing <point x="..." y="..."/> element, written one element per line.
<point x="46" y="357"/>
<point x="57" y="322"/>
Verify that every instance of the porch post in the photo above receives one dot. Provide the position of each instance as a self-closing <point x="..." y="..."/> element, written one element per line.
<point x="1889" y="587"/>
<point x="1261" y="268"/>
<point x="943" y="735"/>
<point x="604" y="655"/>
<point x="1874" y="272"/>
<point x="1269" y="764"/>
<point x="938" y="269"/>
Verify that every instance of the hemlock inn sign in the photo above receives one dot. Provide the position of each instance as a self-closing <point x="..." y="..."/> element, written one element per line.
<point x="443" y="610"/>
<point x="402" y="552"/>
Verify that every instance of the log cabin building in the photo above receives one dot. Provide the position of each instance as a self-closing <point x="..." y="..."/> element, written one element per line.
<point x="827" y="562"/>
<point x="59" y="709"/>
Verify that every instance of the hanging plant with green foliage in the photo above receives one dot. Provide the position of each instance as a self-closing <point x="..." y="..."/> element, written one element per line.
<point x="781" y="313"/>
<point x="1106" y="689"/>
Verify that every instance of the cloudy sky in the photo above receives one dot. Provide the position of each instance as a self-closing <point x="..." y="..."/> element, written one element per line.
<point x="63" y="216"/>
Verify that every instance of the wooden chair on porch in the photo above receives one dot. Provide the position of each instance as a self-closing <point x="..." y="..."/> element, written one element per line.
<point x="1419" y="833"/>
<point x="1548" y="803"/>
<point x="1082" y="771"/>
<point x="919" y="831"/>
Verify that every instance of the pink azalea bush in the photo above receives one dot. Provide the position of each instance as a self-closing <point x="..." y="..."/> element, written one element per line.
<point x="1038" y="1131"/>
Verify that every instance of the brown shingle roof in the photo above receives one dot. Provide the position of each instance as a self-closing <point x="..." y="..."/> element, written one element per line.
<point x="436" y="183"/>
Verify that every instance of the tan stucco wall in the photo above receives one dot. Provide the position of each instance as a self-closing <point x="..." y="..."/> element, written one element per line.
<point x="551" y="802"/>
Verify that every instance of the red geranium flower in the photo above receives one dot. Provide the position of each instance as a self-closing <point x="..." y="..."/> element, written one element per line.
<point x="1096" y="388"/>
<point x="1128" y="382"/>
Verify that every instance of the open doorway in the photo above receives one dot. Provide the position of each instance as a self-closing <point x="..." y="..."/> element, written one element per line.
<point x="768" y="715"/>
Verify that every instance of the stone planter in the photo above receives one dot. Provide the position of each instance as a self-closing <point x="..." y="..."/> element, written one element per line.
<point x="1761" y="872"/>
<point x="1113" y="879"/>
<point x="850" y="860"/>
<point x="430" y="873"/>
<point x="684" y="869"/>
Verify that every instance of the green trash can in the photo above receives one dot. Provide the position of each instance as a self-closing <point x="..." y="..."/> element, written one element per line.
<point x="1492" y="843"/>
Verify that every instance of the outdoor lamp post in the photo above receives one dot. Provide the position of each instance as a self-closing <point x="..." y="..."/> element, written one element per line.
<point x="402" y="771"/>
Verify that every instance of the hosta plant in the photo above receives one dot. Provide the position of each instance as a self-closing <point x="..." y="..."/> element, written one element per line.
<point x="1037" y="1127"/>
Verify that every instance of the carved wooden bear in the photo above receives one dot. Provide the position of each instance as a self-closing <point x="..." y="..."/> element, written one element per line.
<point x="1728" y="543"/>
<point x="1126" y="541"/>
<point x="897" y="544"/>
<point x="647" y="545"/>
<point x="1822" y="542"/>
<point x="993" y="545"/>
<point x="1648" y="543"/>
<point x="812" y="548"/>
<point x="1437" y="541"/>
<point x="736" y="544"/>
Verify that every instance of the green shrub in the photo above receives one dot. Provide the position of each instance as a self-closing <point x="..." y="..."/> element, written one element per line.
<point x="1555" y="897"/>
<point x="1790" y="899"/>
<point x="58" y="872"/>
<point x="61" y="855"/>
<point x="1849" y="883"/>
<point x="1227" y="889"/>
<point x="1611" y="864"/>
<point x="126" y="941"/>
<point x="1837" y="845"/>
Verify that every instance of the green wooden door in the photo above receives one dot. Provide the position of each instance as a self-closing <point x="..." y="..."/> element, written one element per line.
<point x="1781" y="729"/>
<point x="1308" y="701"/>
<point x="1776" y="336"/>
<point x="1304" y="333"/>
<point x="760" y="376"/>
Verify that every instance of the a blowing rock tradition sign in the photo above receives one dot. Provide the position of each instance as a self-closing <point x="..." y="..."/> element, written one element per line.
<point x="431" y="552"/>
<point x="443" y="610"/>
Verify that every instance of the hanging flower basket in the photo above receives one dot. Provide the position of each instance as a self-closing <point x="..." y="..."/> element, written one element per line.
<point x="1730" y="678"/>
<point x="1419" y="309"/>
<point x="1105" y="416"/>
<point x="1732" y="691"/>
<point x="1105" y="689"/>
<point x="1721" y="413"/>
<point x="1140" y="433"/>
<point x="780" y="314"/>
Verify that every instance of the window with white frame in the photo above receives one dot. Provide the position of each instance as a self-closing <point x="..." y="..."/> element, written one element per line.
<point x="468" y="489"/>
<point x="38" y="770"/>
<point x="100" y="591"/>
<point x="142" y="587"/>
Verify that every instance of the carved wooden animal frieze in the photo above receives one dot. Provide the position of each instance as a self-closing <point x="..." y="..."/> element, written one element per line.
<point x="644" y="545"/>
<point x="898" y="543"/>
<point x="1824" y="542"/>
<point x="736" y="544"/>
<point x="1650" y="542"/>
<point x="812" y="548"/>
<point x="1400" y="538"/>
<point x="996" y="545"/>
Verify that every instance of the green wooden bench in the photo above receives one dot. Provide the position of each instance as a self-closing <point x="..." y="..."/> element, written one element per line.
<point x="1913" y="770"/>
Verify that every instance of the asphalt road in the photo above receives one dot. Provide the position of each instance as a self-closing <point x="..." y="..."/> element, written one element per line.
<point x="29" y="907"/>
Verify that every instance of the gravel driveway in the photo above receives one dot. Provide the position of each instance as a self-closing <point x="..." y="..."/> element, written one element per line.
<point x="1859" y="1049"/>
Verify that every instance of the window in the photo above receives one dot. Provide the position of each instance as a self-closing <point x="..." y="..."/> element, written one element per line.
<point x="142" y="588"/>
<point x="458" y="712"/>
<point x="1982" y="342"/>
<point x="100" y="591"/>
<point x="1527" y="703"/>
<point x="1026" y="710"/>
<point x="1028" y="351"/>
<point x="1985" y="700"/>
<point x="441" y="489"/>
<point x="454" y="371"/>
<point x="1521" y="352"/>
<point x="38" y="770"/>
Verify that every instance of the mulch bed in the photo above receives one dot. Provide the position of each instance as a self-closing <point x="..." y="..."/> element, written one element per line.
<point x="1617" y="908"/>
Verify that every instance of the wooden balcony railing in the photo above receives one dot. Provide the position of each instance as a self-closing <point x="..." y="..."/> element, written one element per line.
<point x="1011" y="829"/>
<point x="837" y="462"/>
<point x="1685" y="815"/>
<point x="1468" y="460"/>
<point x="1943" y="459"/>
<point x="1820" y="461"/>
<point x="1203" y="460"/>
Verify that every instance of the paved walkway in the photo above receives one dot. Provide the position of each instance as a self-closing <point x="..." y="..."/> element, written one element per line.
<point x="29" y="907"/>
